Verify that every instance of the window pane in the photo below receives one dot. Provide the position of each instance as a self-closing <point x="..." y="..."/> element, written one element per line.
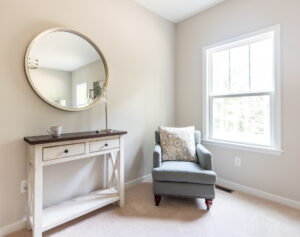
<point x="261" y="65"/>
<point x="239" y="69"/>
<point x="242" y="119"/>
<point x="81" y="97"/>
<point x="220" y="71"/>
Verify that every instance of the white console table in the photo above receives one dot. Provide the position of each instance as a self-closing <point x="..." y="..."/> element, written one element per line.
<point x="45" y="150"/>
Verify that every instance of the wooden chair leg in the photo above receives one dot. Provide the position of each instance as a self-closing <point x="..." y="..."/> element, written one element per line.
<point x="157" y="199"/>
<point x="208" y="203"/>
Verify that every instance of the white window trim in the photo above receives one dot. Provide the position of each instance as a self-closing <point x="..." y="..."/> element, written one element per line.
<point x="276" y="116"/>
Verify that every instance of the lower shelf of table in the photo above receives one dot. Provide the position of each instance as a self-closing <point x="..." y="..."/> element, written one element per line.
<point x="69" y="210"/>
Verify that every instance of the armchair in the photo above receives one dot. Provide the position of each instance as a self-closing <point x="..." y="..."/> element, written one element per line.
<point x="184" y="178"/>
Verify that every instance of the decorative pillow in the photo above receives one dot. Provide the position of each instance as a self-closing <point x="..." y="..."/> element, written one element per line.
<point x="178" y="144"/>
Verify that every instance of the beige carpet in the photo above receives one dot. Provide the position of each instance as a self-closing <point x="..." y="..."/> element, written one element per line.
<point x="233" y="214"/>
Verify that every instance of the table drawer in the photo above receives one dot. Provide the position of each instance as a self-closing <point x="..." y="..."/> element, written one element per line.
<point x="103" y="145"/>
<point x="57" y="152"/>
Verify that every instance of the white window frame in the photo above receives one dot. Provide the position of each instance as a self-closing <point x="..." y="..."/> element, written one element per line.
<point x="275" y="94"/>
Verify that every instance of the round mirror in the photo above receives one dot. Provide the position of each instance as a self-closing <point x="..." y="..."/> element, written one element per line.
<point x="66" y="69"/>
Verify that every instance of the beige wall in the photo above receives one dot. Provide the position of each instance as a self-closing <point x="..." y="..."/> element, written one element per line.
<point x="139" y="49"/>
<point x="273" y="174"/>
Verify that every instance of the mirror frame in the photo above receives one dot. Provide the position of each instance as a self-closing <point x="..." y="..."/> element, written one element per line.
<point x="61" y="29"/>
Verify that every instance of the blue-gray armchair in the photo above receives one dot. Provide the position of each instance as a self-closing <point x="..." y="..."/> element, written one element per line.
<point x="184" y="178"/>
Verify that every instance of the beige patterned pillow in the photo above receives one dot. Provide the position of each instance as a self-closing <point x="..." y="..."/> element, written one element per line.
<point x="178" y="144"/>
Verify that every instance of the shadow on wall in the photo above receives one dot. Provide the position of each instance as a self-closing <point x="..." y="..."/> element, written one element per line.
<point x="72" y="179"/>
<point x="135" y="165"/>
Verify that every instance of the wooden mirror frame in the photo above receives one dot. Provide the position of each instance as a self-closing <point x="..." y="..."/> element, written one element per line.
<point x="36" y="38"/>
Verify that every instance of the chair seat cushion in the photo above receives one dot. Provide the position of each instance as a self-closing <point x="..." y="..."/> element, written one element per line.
<point x="183" y="171"/>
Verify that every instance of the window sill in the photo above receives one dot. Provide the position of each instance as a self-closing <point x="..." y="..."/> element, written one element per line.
<point x="244" y="147"/>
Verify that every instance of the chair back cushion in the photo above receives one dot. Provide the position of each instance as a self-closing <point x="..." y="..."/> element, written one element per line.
<point x="178" y="144"/>
<point x="197" y="137"/>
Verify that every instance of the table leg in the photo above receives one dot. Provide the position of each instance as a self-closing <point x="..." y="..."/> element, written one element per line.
<point x="121" y="172"/>
<point x="107" y="171"/>
<point x="38" y="194"/>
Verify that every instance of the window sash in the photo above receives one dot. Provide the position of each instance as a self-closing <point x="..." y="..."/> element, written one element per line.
<point x="272" y="116"/>
<point x="248" y="42"/>
<point x="242" y="94"/>
<point x="270" y="92"/>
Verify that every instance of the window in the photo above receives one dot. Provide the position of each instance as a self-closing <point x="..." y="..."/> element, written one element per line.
<point x="242" y="91"/>
<point x="81" y="91"/>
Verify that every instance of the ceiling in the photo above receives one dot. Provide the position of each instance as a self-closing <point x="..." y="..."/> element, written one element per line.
<point x="63" y="51"/>
<point x="177" y="10"/>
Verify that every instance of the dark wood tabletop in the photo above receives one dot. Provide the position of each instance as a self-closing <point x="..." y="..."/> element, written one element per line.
<point x="34" y="140"/>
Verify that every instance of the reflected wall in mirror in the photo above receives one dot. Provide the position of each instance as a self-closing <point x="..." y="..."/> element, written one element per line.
<point x="66" y="69"/>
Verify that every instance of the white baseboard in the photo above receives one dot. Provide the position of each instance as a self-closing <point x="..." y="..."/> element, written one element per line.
<point x="138" y="180"/>
<point x="259" y="193"/>
<point x="13" y="227"/>
<point x="5" y="230"/>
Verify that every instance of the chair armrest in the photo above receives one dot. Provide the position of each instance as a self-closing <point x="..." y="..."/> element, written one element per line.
<point x="157" y="156"/>
<point x="204" y="157"/>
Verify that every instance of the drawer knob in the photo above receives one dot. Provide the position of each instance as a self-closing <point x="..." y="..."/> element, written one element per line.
<point x="105" y="144"/>
<point x="66" y="151"/>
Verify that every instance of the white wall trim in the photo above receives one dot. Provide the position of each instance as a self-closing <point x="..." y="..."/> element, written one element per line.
<point x="134" y="182"/>
<point x="243" y="147"/>
<point x="19" y="225"/>
<point x="258" y="193"/>
<point x="5" y="230"/>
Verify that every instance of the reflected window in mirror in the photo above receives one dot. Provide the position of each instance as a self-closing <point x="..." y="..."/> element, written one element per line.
<point x="81" y="94"/>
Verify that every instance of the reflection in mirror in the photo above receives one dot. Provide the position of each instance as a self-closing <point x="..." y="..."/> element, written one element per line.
<point x="66" y="69"/>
